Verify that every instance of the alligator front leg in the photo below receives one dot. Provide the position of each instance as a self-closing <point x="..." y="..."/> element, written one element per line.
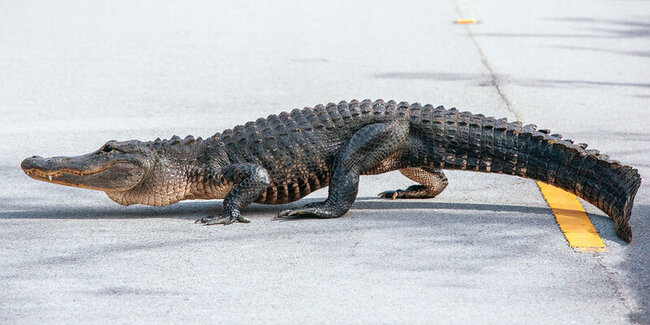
<point x="251" y="181"/>
<point x="366" y="148"/>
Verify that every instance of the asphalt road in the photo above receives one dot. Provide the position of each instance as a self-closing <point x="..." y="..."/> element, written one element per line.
<point x="74" y="74"/>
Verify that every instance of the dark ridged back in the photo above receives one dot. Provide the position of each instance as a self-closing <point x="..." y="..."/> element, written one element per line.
<point x="298" y="150"/>
<point x="465" y="141"/>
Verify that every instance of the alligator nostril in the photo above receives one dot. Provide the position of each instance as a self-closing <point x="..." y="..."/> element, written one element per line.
<point x="31" y="162"/>
<point x="27" y="163"/>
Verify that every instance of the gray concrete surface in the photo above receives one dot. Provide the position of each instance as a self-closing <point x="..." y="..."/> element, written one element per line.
<point x="74" y="74"/>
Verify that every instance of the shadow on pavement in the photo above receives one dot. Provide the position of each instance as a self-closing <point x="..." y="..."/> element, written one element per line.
<point x="637" y="263"/>
<point x="451" y="229"/>
<point x="593" y="28"/>
<point x="189" y="209"/>
<point x="192" y="210"/>
<point x="434" y="233"/>
<point x="483" y="80"/>
<point x="440" y="76"/>
<point x="604" y="50"/>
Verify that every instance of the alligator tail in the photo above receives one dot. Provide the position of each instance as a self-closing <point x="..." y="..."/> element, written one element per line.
<point x="474" y="142"/>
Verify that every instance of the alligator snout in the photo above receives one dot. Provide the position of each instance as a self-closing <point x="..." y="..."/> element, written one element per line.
<point x="105" y="170"/>
<point x="45" y="164"/>
<point x="35" y="162"/>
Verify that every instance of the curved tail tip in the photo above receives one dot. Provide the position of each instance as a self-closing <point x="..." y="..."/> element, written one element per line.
<point x="624" y="232"/>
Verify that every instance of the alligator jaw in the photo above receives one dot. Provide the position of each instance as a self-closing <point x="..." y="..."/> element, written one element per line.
<point x="87" y="171"/>
<point x="53" y="170"/>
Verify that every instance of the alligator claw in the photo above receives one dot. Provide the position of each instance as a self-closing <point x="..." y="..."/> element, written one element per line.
<point x="296" y="212"/>
<point x="390" y="194"/>
<point x="282" y="214"/>
<point x="315" y="210"/>
<point x="227" y="220"/>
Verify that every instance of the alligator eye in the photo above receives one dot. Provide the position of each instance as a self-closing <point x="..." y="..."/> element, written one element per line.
<point x="107" y="148"/>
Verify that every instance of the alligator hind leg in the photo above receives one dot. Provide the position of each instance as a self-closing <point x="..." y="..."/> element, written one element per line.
<point x="432" y="182"/>
<point x="367" y="147"/>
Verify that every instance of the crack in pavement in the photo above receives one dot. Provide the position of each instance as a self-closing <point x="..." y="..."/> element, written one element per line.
<point x="494" y="77"/>
<point x="495" y="81"/>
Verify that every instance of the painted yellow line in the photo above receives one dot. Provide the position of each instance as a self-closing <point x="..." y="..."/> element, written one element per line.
<point x="466" y="21"/>
<point x="572" y="219"/>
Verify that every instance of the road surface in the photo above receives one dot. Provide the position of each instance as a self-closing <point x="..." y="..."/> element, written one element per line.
<point x="487" y="250"/>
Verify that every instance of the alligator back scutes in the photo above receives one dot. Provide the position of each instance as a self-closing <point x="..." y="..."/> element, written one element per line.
<point x="475" y="142"/>
<point x="299" y="147"/>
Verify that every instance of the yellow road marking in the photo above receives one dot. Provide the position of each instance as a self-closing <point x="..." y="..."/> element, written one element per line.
<point x="572" y="219"/>
<point x="466" y="21"/>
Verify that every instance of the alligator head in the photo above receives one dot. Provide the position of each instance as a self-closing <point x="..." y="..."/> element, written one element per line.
<point x="115" y="167"/>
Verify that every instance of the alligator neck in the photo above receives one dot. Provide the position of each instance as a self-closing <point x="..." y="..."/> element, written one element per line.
<point x="182" y="169"/>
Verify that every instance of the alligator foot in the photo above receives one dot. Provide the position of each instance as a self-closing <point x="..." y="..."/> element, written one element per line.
<point x="391" y="194"/>
<point x="222" y="220"/>
<point x="412" y="192"/>
<point x="432" y="182"/>
<point x="314" y="210"/>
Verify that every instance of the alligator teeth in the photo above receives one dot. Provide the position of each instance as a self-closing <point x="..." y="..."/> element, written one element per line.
<point x="50" y="177"/>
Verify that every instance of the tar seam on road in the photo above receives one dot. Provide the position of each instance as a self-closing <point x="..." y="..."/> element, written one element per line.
<point x="572" y="219"/>
<point x="494" y="78"/>
<point x="570" y="216"/>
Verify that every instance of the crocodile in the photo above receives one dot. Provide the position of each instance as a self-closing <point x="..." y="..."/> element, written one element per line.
<point x="284" y="157"/>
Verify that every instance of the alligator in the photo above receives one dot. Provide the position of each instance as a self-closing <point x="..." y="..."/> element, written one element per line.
<point x="282" y="158"/>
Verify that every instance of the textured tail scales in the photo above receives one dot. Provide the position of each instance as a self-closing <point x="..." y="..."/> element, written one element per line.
<point x="594" y="177"/>
<point x="621" y="213"/>
<point x="475" y="142"/>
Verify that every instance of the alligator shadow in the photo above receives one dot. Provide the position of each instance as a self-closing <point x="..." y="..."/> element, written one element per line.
<point x="446" y="214"/>
<point x="636" y="264"/>
<point x="191" y="210"/>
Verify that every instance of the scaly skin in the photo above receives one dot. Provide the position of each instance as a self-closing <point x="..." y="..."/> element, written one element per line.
<point x="284" y="157"/>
